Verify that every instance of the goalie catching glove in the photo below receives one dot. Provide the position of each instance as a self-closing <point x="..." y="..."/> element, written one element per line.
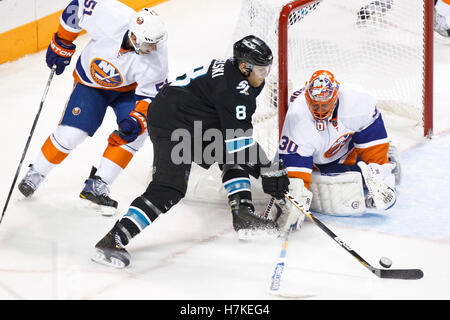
<point x="380" y="182"/>
<point x="129" y="129"/>
<point x="285" y="214"/>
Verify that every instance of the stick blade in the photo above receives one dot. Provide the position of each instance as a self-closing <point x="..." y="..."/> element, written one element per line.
<point x="405" y="274"/>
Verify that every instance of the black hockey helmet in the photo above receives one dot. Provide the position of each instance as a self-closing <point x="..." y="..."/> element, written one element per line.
<point x="252" y="50"/>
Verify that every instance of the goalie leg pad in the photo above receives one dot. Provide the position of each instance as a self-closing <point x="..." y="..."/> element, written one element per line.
<point x="339" y="194"/>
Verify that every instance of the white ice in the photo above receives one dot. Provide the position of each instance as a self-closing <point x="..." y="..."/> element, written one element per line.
<point x="193" y="253"/>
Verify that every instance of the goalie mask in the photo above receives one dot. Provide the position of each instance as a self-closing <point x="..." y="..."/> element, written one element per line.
<point x="148" y="28"/>
<point x="321" y="93"/>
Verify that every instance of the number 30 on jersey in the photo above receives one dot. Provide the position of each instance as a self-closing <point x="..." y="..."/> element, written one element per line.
<point x="289" y="145"/>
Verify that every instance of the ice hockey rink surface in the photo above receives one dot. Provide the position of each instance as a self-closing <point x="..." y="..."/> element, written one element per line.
<point x="46" y="242"/>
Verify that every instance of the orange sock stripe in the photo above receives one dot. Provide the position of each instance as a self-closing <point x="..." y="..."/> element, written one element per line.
<point x="51" y="153"/>
<point x="118" y="155"/>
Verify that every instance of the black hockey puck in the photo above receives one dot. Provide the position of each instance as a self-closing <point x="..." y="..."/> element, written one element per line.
<point x="385" y="262"/>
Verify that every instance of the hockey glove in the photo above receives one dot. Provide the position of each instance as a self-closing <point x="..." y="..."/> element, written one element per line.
<point x="275" y="180"/>
<point x="287" y="214"/>
<point x="59" y="53"/>
<point x="380" y="182"/>
<point x="129" y="129"/>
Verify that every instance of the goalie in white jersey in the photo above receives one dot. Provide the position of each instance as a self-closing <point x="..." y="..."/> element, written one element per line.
<point x="123" y="66"/>
<point x="330" y="136"/>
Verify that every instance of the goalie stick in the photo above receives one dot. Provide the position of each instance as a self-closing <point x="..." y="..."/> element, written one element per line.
<point x="407" y="274"/>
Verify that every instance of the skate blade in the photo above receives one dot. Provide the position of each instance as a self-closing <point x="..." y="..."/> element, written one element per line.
<point x="100" y="258"/>
<point x="252" y="234"/>
<point x="103" y="210"/>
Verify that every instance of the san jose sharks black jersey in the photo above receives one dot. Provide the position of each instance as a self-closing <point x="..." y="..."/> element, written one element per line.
<point x="214" y="96"/>
<point x="217" y="94"/>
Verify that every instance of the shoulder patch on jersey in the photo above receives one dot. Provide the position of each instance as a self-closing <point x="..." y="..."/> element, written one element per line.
<point x="105" y="74"/>
<point x="243" y="87"/>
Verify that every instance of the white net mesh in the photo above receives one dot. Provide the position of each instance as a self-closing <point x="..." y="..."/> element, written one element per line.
<point x="377" y="45"/>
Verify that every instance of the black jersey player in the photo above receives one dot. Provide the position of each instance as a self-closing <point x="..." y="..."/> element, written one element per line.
<point x="219" y="98"/>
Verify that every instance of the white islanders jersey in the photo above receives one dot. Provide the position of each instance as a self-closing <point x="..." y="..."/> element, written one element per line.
<point x="355" y="129"/>
<point x="103" y="63"/>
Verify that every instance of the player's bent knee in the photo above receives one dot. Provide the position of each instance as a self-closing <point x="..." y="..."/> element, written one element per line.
<point x="69" y="137"/>
<point x="139" y="142"/>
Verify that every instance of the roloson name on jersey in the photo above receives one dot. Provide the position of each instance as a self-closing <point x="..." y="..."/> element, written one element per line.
<point x="218" y="68"/>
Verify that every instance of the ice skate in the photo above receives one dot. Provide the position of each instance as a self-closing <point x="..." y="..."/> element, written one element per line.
<point x="30" y="182"/>
<point x="248" y="225"/>
<point x="111" y="251"/>
<point x="96" y="191"/>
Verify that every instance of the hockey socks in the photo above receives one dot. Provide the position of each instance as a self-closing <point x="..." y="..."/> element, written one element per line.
<point x="111" y="248"/>
<point x="140" y="215"/>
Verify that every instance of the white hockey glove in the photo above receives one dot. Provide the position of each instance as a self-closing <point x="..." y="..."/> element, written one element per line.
<point x="288" y="214"/>
<point x="380" y="181"/>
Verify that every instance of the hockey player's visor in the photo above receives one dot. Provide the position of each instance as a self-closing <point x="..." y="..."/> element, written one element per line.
<point x="147" y="47"/>
<point x="262" y="71"/>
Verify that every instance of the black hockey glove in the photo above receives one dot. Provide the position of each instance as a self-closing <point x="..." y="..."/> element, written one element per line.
<point x="275" y="180"/>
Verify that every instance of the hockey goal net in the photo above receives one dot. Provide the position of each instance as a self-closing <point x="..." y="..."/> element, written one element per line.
<point x="385" y="47"/>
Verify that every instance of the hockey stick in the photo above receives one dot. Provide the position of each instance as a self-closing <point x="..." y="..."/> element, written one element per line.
<point x="269" y="207"/>
<point x="29" y="139"/>
<point x="407" y="274"/>
<point x="280" y="266"/>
